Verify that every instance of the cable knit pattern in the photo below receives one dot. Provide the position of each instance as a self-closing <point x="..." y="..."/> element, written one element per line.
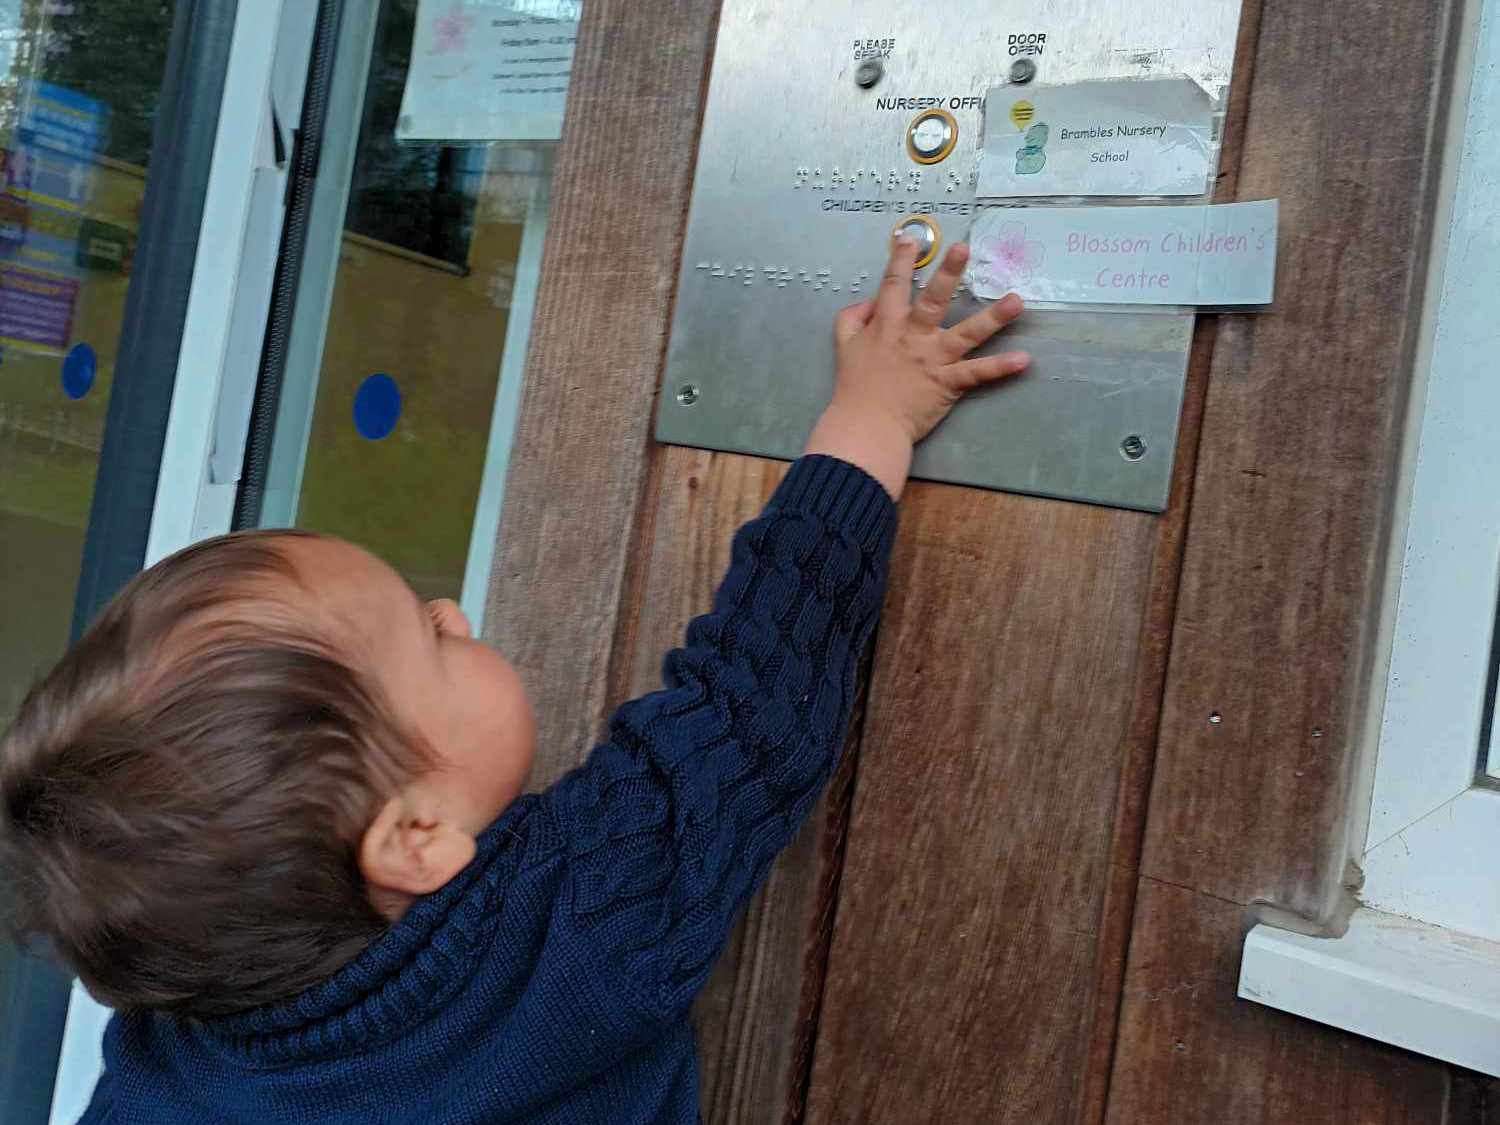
<point x="551" y="980"/>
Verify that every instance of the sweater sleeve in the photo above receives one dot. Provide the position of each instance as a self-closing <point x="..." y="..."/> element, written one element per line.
<point x="674" y="821"/>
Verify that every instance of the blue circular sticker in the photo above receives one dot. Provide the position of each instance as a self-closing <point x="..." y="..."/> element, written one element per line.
<point x="377" y="407"/>
<point x="79" y="370"/>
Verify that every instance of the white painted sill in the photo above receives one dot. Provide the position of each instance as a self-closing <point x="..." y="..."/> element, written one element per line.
<point x="1427" y="989"/>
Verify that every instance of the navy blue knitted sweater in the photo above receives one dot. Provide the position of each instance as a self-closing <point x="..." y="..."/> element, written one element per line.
<point x="550" y="981"/>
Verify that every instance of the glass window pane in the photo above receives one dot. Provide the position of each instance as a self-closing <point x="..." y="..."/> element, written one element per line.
<point x="79" y="84"/>
<point x="434" y="257"/>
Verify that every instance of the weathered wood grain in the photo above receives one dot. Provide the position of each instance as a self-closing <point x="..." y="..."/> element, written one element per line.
<point x="698" y="501"/>
<point x="608" y="272"/>
<point x="1474" y="1100"/>
<point x="1299" y="447"/>
<point x="1139" y="747"/>
<point x="1191" y="1052"/>
<point x="610" y="545"/>
<point x="1271" y="648"/>
<point x="964" y="952"/>
<point x="753" y="1018"/>
<point x="993" y="845"/>
<point x="1080" y="995"/>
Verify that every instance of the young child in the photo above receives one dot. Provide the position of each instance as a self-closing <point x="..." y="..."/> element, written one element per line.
<point x="270" y="808"/>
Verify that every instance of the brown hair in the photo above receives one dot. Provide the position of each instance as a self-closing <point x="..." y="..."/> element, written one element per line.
<point x="182" y="798"/>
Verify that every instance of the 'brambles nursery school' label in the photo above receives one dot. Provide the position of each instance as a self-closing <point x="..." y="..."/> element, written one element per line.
<point x="1119" y="137"/>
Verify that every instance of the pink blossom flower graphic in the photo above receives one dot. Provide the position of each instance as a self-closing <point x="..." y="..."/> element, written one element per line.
<point x="1008" y="258"/>
<point x="450" y="31"/>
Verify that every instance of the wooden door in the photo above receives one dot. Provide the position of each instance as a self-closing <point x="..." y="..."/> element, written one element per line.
<point x="1096" y="744"/>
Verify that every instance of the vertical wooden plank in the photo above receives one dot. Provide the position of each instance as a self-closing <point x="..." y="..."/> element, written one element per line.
<point x="1139" y="749"/>
<point x="609" y="545"/>
<point x="1270" y="658"/>
<point x="1297" y="458"/>
<point x="580" y="461"/>
<point x="698" y="501"/>
<point x="1082" y="996"/>
<point x="962" y="972"/>
<point x="1138" y="746"/>
<point x="752" y="1018"/>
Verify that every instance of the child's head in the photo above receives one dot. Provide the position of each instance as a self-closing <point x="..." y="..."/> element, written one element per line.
<point x="265" y="748"/>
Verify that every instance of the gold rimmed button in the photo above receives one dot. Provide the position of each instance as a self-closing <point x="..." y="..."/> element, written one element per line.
<point x="925" y="233"/>
<point x="931" y="135"/>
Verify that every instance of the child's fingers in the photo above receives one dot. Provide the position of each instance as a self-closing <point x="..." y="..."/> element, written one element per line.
<point x="851" y="321"/>
<point x="932" y="305"/>
<point x="970" y="373"/>
<point x="972" y="331"/>
<point x="894" y="300"/>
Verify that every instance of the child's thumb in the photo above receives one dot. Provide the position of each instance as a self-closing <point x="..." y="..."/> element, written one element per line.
<point x="851" y="321"/>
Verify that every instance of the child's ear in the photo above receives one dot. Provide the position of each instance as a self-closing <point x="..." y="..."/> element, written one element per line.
<point x="409" y="850"/>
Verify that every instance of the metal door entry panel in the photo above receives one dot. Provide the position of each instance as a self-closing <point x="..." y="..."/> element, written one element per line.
<point x="829" y="126"/>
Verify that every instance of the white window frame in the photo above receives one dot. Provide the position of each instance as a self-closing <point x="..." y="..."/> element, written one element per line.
<point x="506" y="415"/>
<point x="1419" y="965"/>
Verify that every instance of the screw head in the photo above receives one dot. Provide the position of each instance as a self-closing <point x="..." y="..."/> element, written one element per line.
<point x="867" y="73"/>
<point x="1022" y="71"/>
<point x="687" y="394"/>
<point x="1133" y="448"/>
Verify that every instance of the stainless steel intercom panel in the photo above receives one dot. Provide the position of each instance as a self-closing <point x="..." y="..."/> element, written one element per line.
<point x="830" y="125"/>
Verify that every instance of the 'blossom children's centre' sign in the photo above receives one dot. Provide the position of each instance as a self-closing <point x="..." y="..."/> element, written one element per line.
<point x="1200" y="255"/>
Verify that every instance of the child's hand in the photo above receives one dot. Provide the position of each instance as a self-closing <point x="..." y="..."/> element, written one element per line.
<point x="900" y="372"/>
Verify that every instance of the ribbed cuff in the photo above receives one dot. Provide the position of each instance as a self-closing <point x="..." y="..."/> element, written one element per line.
<point x="843" y="496"/>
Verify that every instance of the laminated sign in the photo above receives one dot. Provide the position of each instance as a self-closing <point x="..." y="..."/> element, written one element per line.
<point x="1201" y="255"/>
<point x="1117" y="137"/>
<point x="489" y="70"/>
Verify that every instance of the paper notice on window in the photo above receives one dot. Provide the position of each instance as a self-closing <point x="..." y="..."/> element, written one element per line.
<point x="1120" y="137"/>
<point x="489" y="70"/>
<point x="1170" y="256"/>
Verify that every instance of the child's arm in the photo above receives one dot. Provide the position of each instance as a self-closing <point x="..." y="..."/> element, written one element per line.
<point x="674" y="821"/>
